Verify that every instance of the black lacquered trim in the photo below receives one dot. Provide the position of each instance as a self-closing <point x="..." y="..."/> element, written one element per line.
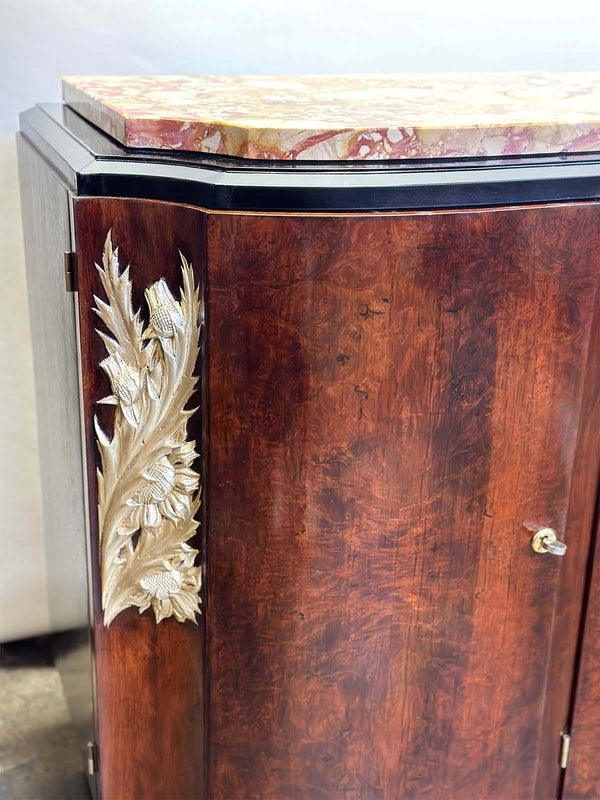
<point x="231" y="184"/>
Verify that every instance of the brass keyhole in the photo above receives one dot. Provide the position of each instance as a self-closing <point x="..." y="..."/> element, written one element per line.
<point x="546" y="541"/>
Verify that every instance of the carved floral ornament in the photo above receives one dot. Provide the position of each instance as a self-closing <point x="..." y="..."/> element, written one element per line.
<point x="148" y="493"/>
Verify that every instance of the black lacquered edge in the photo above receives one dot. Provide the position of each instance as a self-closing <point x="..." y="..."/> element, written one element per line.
<point x="226" y="185"/>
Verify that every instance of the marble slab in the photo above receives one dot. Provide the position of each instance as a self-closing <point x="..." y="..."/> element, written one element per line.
<point x="347" y="117"/>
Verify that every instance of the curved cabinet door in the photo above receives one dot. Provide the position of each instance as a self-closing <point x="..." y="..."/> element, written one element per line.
<point x="390" y="404"/>
<point x="391" y="398"/>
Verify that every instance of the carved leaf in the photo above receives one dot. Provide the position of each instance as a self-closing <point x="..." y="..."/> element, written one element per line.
<point x="148" y="492"/>
<point x="117" y="314"/>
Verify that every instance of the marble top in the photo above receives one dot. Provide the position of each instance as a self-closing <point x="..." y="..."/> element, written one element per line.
<point x="347" y="117"/>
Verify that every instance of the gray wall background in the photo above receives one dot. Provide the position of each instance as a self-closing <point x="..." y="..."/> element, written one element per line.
<point x="41" y="40"/>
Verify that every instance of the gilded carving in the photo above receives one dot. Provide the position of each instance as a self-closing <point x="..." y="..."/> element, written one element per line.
<point x="148" y="492"/>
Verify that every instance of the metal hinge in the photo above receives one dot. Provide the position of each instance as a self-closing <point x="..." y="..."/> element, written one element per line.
<point x="564" y="750"/>
<point x="71" y="271"/>
<point x="92" y="758"/>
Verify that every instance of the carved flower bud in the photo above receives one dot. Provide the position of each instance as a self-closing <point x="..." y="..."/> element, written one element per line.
<point x="162" y="584"/>
<point x="165" y="312"/>
<point x="161" y="480"/>
<point x="174" y="589"/>
<point x="125" y="379"/>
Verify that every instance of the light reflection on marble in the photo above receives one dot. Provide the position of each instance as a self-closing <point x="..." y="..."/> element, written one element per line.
<point x="348" y="117"/>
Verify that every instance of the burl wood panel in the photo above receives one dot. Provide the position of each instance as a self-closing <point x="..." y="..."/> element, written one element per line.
<point x="574" y="570"/>
<point x="582" y="779"/>
<point x="149" y="677"/>
<point x="391" y="397"/>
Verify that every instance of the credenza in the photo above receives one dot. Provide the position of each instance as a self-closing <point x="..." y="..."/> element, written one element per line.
<point x="318" y="383"/>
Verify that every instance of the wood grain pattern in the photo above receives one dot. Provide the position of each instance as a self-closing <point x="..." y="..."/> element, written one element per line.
<point x="149" y="678"/>
<point x="390" y="398"/>
<point x="569" y="606"/>
<point x="582" y="779"/>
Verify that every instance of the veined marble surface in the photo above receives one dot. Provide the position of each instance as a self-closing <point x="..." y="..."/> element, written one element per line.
<point x="347" y="117"/>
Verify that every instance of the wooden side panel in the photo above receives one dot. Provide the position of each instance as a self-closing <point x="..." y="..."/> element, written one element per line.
<point x="390" y="399"/>
<point x="52" y="313"/>
<point x="149" y="677"/>
<point x="47" y="230"/>
<point x="582" y="778"/>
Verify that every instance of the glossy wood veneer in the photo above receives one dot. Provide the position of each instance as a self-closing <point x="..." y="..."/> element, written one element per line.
<point x="390" y="398"/>
<point x="387" y="399"/>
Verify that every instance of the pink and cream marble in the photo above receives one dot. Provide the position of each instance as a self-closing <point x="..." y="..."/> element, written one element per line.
<point x="347" y="117"/>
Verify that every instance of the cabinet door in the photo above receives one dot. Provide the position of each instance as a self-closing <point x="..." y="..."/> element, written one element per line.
<point x="391" y="398"/>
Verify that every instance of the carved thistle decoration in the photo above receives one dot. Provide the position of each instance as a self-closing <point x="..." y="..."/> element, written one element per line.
<point x="148" y="493"/>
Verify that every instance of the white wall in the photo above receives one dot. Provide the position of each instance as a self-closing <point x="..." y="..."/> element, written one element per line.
<point x="40" y="40"/>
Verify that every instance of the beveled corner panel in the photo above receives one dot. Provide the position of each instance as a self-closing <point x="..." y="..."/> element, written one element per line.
<point x="143" y="408"/>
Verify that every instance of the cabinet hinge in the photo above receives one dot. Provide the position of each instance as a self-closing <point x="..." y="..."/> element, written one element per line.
<point x="71" y="271"/>
<point x="564" y="749"/>
<point x="92" y="758"/>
